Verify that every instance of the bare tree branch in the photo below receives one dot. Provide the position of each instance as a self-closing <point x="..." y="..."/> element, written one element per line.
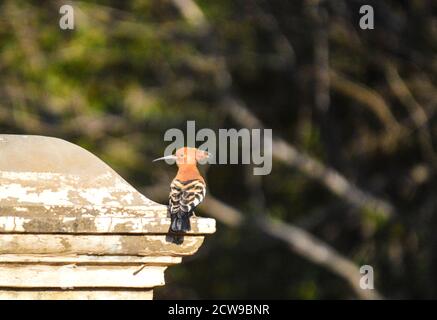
<point x="330" y="178"/>
<point x="418" y="114"/>
<point x="321" y="56"/>
<point x="191" y="12"/>
<point x="367" y="97"/>
<point x="318" y="252"/>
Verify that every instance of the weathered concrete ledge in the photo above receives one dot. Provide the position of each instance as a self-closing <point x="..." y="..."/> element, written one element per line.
<point x="72" y="228"/>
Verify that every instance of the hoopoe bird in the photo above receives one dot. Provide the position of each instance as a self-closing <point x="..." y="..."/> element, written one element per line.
<point x="188" y="188"/>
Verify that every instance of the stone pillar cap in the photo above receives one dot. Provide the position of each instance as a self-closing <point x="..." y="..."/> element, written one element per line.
<point x="49" y="185"/>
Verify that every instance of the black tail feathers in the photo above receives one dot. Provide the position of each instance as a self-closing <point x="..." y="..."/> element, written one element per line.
<point x="178" y="226"/>
<point x="180" y="223"/>
<point x="174" y="238"/>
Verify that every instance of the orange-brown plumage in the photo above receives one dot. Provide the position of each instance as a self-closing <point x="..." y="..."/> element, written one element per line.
<point x="188" y="172"/>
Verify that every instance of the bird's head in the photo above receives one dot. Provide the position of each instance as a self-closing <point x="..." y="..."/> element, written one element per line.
<point x="186" y="155"/>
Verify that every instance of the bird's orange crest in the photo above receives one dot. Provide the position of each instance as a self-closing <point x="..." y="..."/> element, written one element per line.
<point x="190" y="156"/>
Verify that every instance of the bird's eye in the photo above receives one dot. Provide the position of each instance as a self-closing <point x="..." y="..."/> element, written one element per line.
<point x="181" y="156"/>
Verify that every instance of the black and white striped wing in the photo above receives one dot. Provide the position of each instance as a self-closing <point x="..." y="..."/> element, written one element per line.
<point x="175" y="195"/>
<point x="184" y="197"/>
<point x="192" y="195"/>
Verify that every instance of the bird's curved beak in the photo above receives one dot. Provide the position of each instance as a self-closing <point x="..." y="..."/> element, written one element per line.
<point x="170" y="157"/>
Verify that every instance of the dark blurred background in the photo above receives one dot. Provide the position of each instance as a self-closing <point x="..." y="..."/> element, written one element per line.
<point x="353" y="114"/>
